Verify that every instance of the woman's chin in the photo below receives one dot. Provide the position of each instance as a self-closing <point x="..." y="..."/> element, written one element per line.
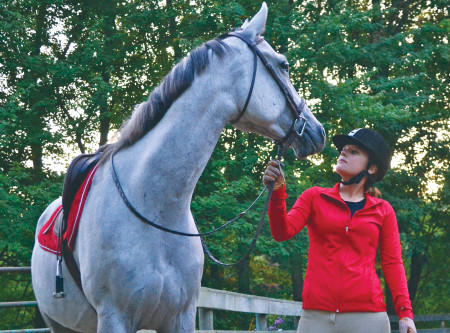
<point x="344" y="175"/>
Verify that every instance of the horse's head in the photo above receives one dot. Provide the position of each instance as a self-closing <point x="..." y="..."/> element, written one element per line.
<point x="271" y="112"/>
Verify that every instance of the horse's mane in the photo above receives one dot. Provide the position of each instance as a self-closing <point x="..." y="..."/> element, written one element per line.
<point x="147" y="114"/>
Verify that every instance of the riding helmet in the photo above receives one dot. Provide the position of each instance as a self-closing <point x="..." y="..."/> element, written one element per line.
<point x="371" y="141"/>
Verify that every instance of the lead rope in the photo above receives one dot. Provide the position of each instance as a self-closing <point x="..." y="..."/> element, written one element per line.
<point x="258" y="229"/>
<point x="255" y="237"/>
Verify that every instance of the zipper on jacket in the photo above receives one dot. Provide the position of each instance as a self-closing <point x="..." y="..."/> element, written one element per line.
<point x="344" y="252"/>
<point x="350" y="220"/>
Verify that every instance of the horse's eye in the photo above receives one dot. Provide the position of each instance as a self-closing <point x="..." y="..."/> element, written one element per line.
<point x="285" y="66"/>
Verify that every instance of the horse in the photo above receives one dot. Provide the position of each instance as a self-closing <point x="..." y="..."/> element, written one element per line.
<point x="135" y="276"/>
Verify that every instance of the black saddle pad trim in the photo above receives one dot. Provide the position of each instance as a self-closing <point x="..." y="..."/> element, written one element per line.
<point x="76" y="173"/>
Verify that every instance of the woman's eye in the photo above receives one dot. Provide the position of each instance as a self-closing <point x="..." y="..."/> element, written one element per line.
<point x="354" y="151"/>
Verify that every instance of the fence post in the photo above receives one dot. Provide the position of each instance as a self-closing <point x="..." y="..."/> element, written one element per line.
<point x="205" y="319"/>
<point x="261" y="322"/>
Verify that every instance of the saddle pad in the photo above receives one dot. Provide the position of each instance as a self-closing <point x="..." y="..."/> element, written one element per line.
<point x="47" y="239"/>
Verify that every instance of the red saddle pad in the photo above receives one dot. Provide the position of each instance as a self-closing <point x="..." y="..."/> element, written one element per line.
<point x="47" y="239"/>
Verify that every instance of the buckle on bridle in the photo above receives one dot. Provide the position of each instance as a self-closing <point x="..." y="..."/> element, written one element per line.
<point x="302" y="126"/>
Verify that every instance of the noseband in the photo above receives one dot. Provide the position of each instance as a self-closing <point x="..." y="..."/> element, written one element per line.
<point x="298" y="125"/>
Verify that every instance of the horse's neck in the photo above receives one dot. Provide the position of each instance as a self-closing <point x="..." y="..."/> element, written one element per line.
<point x="162" y="169"/>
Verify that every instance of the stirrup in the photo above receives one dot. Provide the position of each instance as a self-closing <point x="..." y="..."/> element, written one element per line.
<point x="59" y="293"/>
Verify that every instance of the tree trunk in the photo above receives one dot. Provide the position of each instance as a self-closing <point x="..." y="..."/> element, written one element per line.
<point x="104" y="125"/>
<point x="390" y="309"/>
<point x="244" y="276"/>
<point x="418" y="260"/>
<point x="173" y="41"/>
<point x="109" y="31"/>
<point x="216" y="279"/>
<point x="296" y="272"/>
<point x="36" y="157"/>
<point x="37" y="127"/>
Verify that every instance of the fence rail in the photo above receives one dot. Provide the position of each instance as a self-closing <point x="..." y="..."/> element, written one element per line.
<point x="213" y="299"/>
<point x="15" y="269"/>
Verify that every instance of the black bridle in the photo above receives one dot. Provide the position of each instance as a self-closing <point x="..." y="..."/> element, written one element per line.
<point x="298" y="125"/>
<point x="296" y="130"/>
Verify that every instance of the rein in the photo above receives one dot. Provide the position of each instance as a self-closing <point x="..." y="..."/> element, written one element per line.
<point x="201" y="235"/>
<point x="296" y="130"/>
<point x="172" y="231"/>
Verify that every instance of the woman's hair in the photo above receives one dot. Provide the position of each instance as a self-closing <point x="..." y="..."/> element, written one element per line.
<point x="374" y="192"/>
<point x="368" y="186"/>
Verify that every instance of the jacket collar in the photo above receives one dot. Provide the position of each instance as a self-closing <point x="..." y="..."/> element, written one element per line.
<point x="333" y="192"/>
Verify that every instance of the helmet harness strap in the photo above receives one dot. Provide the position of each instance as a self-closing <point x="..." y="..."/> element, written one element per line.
<point x="356" y="179"/>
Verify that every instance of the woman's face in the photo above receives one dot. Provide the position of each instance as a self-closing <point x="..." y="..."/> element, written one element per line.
<point x="351" y="161"/>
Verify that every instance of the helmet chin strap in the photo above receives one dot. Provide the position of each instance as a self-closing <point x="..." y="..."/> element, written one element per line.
<point x="356" y="179"/>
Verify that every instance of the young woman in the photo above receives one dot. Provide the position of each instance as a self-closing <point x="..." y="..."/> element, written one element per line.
<point x="346" y="225"/>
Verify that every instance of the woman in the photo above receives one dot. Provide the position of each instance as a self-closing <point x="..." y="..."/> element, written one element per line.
<point x="342" y="292"/>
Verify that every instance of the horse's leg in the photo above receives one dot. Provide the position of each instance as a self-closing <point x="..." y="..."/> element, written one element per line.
<point x="112" y="321"/>
<point x="55" y="327"/>
<point x="183" y="323"/>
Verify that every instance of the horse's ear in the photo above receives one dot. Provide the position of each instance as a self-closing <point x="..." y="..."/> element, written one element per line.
<point x="257" y="24"/>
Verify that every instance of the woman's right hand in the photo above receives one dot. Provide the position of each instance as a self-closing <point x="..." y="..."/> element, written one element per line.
<point x="274" y="174"/>
<point x="406" y="325"/>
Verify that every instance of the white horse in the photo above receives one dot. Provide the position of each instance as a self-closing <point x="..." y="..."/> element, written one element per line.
<point x="135" y="276"/>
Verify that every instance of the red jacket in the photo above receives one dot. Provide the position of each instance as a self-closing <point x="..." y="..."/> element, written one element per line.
<point x="341" y="273"/>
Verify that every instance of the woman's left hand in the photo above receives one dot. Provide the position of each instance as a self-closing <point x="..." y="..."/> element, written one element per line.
<point x="406" y="325"/>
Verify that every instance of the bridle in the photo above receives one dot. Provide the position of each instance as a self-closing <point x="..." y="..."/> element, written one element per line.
<point x="299" y="124"/>
<point x="296" y="130"/>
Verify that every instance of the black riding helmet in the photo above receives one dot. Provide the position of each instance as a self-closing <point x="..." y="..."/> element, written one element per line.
<point x="373" y="143"/>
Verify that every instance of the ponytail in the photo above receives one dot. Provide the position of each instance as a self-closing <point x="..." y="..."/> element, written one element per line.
<point x="371" y="179"/>
<point x="374" y="192"/>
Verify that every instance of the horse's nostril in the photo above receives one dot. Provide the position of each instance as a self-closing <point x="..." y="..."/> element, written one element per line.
<point x="323" y="132"/>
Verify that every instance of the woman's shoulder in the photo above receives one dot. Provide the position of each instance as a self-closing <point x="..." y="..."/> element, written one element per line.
<point x="327" y="190"/>
<point x="383" y="204"/>
<point x="316" y="190"/>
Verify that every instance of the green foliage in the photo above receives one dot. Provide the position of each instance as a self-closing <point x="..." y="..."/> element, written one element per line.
<point x="16" y="287"/>
<point x="71" y="72"/>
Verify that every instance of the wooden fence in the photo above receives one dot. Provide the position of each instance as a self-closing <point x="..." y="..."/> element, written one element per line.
<point x="212" y="299"/>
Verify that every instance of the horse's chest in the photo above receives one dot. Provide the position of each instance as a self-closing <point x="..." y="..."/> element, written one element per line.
<point x="153" y="268"/>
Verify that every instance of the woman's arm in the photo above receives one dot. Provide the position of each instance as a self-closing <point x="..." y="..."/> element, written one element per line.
<point x="392" y="264"/>
<point x="286" y="225"/>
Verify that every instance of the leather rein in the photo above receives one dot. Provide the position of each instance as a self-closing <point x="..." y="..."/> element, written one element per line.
<point x="296" y="130"/>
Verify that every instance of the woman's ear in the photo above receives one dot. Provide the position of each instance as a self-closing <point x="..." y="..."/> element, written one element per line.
<point x="373" y="169"/>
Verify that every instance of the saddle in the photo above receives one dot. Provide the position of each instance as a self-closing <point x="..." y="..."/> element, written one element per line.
<point x="75" y="175"/>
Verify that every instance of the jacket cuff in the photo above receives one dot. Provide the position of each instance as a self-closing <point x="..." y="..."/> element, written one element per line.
<point x="279" y="194"/>
<point x="405" y="313"/>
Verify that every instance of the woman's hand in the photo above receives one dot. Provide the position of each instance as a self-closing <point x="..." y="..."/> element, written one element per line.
<point x="406" y="325"/>
<point x="274" y="174"/>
